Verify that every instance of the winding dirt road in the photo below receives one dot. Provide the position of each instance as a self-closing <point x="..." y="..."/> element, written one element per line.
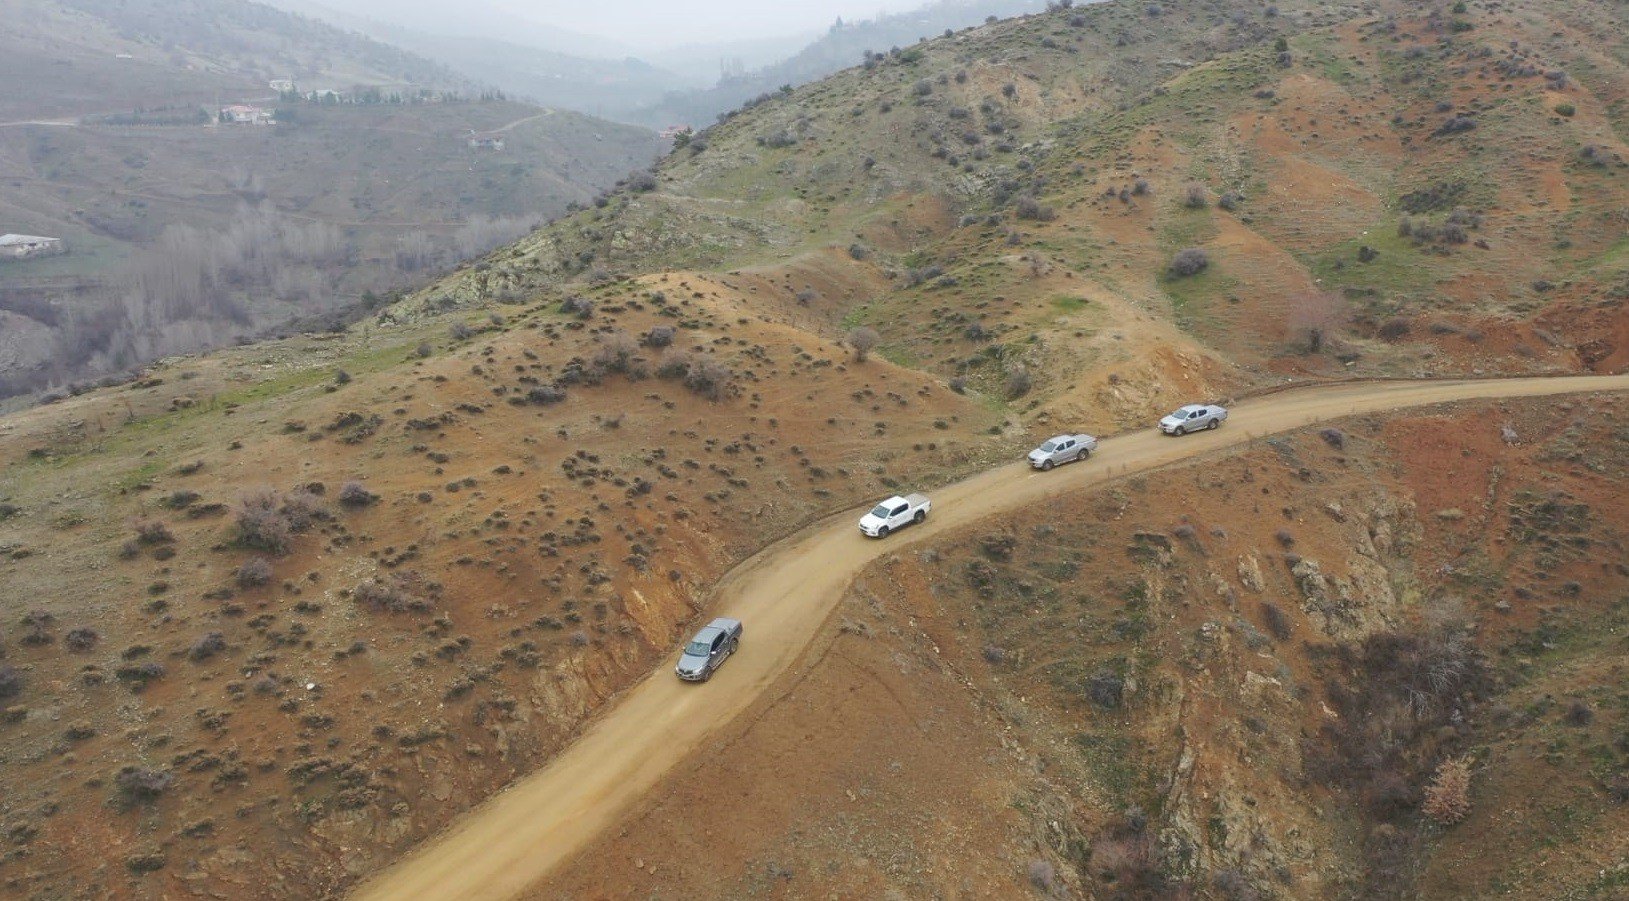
<point x="784" y="594"/>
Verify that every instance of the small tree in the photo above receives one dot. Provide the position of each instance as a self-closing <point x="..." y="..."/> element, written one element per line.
<point x="1194" y="196"/>
<point x="862" y="339"/>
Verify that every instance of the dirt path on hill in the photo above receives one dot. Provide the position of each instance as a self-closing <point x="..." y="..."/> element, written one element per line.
<point x="784" y="595"/>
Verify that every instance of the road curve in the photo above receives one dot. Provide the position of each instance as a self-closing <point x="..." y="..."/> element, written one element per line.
<point x="783" y="595"/>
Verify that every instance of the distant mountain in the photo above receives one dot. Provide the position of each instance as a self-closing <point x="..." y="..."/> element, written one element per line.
<point x="843" y="45"/>
<point x="614" y="87"/>
<point x="475" y="20"/>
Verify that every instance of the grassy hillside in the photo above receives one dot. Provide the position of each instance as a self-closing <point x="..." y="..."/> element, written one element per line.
<point x="1033" y="179"/>
<point x="289" y="608"/>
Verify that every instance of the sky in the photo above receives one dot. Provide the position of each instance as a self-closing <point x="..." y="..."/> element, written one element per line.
<point x="631" y="25"/>
<point x="655" y="23"/>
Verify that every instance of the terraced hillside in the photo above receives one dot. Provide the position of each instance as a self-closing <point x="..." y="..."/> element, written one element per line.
<point x="277" y="614"/>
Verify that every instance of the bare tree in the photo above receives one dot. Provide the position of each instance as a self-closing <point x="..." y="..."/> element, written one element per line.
<point x="862" y="339"/>
<point x="1315" y="315"/>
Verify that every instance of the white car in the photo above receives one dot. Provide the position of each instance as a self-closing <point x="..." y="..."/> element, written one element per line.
<point x="894" y="513"/>
<point x="1192" y="418"/>
<point x="1062" y="449"/>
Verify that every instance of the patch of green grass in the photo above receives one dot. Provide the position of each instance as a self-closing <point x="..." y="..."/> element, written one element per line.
<point x="146" y="472"/>
<point x="1197" y="299"/>
<point x="1069" y="304"/>
<point x="1111" y="760"/>
<point x="1402" y="271"/>
<point x="1317" y="50"/>
<point x="899" y="356"/>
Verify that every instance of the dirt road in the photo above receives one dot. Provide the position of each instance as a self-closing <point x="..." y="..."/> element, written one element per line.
<point x="784" y="594"/>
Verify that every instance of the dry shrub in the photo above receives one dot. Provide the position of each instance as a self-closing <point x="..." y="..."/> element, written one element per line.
<point x="268" y="521"/>
<point x="152" y="531"/>
<point x="1031" y="209"/>
<point x="208" y="645"/>
<point x="1019" y="381"/>
<point x="254" y="572"/>
<point x="709" y="378"/>
<point x="1189" y="261"/>
<point x="543" y="395"/>
<point x="1194" y="196"/>
<point x="1126" y="856"/>
<point x="659" y="336"/>
<point x="141" y="785"/>
<point x="1043" y="876"/>
<point x="36" y="627"/>
<point x="1448" y="797"/>
<point x="260" y="524"/>
<point x="11" y="682"/>
<point x="618" y="353"/>
<point x="403" y="592"/>
<point x="355" y="494"/>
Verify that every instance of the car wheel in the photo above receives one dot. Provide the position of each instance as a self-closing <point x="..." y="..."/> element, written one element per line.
<point x="920" y="515"/>
<point x="882" y="532"/>
<point x="1179" y="431"/>
<point x="1214" y="423"/>
<point x="707" y="675"/>
<point x="1046" y="465"/>
<point x="1084" y="453"/>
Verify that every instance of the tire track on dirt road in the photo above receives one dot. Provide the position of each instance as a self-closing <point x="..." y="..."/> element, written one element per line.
<point x="784" y="594"/>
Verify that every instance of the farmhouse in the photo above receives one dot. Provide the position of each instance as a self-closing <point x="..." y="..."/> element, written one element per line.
<point x="240" y="114"/>
<point x="282" y="85"/>
<point x="17" y="247"/>
<point x="485" y="141"/>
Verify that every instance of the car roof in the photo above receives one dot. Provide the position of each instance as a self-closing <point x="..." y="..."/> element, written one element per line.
<point x="1189" y="408"/>
<point x="896" y="499"/>
<point x="724" y="623"/>
<point x="1059" y="438"/>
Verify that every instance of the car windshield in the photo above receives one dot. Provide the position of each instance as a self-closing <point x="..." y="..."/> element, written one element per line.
<point x="1048" y="447"/>
<point x="698" y="648"/>
<point x="880" y="511"/>
<point x="1179" y="414"/>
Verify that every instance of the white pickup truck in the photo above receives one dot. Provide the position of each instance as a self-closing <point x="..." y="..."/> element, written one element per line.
<point x="895" y="513"/>
<point x="1062" y="449"/>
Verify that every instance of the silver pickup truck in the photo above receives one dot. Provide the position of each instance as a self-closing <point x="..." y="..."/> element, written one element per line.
<point x="895" y="513"/>
<point x="1192" y="418"/>
<point x="1062" y="449"/>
